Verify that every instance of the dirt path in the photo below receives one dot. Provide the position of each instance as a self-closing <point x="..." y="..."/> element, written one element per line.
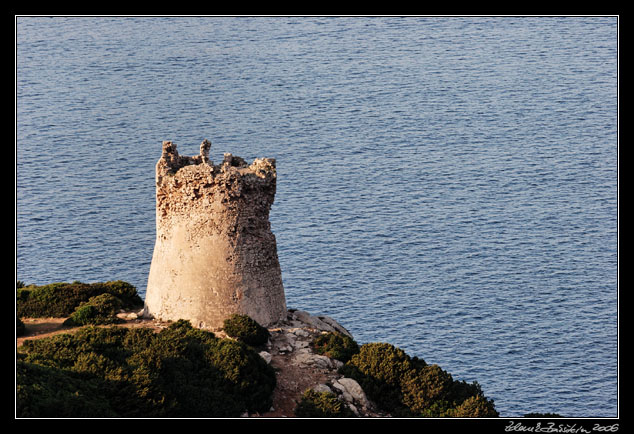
<point x="38" y="328"/>
<point x="292" y="381"/>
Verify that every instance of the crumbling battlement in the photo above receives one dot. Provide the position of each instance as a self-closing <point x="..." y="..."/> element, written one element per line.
<point x="171" y="162"/>
<point x="231" y="196"/>
<point x="215" y="253"/>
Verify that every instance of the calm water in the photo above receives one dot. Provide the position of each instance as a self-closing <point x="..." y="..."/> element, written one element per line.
<point x="448" y="185"/>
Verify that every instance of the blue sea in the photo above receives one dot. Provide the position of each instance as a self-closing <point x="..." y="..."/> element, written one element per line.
<point x="445" y="184"/>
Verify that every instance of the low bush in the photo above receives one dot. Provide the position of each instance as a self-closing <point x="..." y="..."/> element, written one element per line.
<point x="378" y="368"/>
<point x="124" y="291"/>
<point x="178" y="372"/>
<point x="245" y="329"/>
<point x="100" y="309"/>
<point x="409" y="387"/>
<point x="61" y="299"/>
<point x="474" y="406"/>
<point x="335" y="345"/>
<point x="421" y="388"/>
<point x="321" y="404"/>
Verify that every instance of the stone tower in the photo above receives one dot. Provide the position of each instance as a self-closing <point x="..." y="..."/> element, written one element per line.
<point x="215" y="254"/>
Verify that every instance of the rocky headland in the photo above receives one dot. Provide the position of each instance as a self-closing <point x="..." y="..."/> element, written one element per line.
<point x="297" y="366"/>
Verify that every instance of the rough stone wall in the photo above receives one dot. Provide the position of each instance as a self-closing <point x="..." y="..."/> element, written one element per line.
<point x="215" y="254"/>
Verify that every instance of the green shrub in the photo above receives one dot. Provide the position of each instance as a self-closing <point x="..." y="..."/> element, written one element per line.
<point x="423" y="387"/>
<point x="44" y="391"/>
<point x="406" y="386"/>
<point x="321" y="404"/>
<point x="383" y="362"/>
<point x="335" y="345"/>
<point x="245" y="329"/>
<point x="178" y="372"/>
<point x="378" y="368"/>
<point x="100" y="309"/>
<point x="61" y="299"/>
<point x="124" y="291"/>
<point x="246" y="374"/>
<point x="475" y="406"/>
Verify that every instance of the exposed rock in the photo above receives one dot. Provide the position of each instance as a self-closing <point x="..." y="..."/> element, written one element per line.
<point x="311" y="359"/>
<point x="266" y="356"/>
<point x="285" y="349"/>
<point x="342" y="390"/>
<point x="299" y="368"/>
<point x="321" y="322"/>
<point x="354" y="390"/>
<point x="127" y="315"/>
<point x="300" y="332"/>
<point x="321" y="388"/>
<point x="335" y="325"/>
<point x="313" y="321"/>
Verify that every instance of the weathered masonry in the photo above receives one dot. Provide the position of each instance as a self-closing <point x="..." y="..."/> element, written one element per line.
<point x="215" y="254"/>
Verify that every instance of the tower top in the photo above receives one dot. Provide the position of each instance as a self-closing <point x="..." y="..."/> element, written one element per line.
<point x="171" y="161"/>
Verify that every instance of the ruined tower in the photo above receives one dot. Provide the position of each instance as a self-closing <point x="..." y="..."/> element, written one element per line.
<point x="215" y="254"/>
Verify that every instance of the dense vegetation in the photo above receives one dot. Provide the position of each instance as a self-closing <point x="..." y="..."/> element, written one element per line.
<point x="245" y="329"/>
<point x="397" y="383"/>
<point x="62" y="299"/>
<point x="321" y="404"/>
<point x="408" y="387"/>
<point x="135" y="372"/>
<point x="100" y="309"/>
<point x="335" y="345"/>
